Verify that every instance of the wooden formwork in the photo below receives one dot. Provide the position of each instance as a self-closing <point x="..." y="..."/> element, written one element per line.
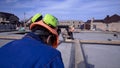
<point x="112" y="42"/>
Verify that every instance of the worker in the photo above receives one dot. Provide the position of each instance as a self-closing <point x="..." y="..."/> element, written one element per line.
<point x="70" y="32"/>
<point x="37" y="49"/>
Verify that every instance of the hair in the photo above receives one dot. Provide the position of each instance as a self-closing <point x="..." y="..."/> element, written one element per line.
<point x="43" y="34"/>
<point x="38" y="27"/>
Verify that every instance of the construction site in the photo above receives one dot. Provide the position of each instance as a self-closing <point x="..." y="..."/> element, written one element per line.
<point x="96" y="43"/>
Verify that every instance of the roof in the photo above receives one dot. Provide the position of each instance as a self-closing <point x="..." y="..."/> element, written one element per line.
<point x="95" y="21"/>
<point x="113" y="18"/>
<point x="107" y="19"/>
<point x="9" y="17"/>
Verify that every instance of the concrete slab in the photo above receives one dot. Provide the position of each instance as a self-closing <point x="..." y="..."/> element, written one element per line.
<point x="96" y="36"/>
<point x="79" y="58"/>
<point x="72" y="54"/>
<point x="75" y="55"/>
<point x="102" y="56"/>
<point x="65" y="49"/>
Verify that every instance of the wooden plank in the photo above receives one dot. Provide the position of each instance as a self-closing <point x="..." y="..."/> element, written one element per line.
<point x="112" y="42"/>
<point x="10" y="37"/>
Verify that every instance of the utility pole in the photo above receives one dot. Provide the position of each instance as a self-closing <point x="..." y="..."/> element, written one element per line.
<point x="91" y="24"/>
<point x="24" y="20"/>
<point x="84" y="25"/>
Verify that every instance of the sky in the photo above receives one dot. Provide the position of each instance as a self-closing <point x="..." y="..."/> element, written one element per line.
<point x="62" y="9"/>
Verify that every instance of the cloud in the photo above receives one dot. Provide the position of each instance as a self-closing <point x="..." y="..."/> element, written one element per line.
<point x="34" y="4"/>
<point x="10" y="1"/>
<point x="67" y="8"/>
<point x="58" y="7"/>
<point x="66" y="4"/>
<point x="76" y="9"/>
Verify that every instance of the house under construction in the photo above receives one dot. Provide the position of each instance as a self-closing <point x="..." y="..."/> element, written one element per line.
<point x="8" y="21"/>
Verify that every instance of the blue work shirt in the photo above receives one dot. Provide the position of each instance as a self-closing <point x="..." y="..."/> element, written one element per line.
<point x="29" y="52"/>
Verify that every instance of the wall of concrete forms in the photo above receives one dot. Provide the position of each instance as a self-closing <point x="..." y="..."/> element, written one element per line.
<point x="115" y="26"/>
<point x="63" y="23"/>
<point x="1" y="19"/>
<point x="100" y="25"/>
<point x="4" y="20"/>
<point x="76" y="24"/>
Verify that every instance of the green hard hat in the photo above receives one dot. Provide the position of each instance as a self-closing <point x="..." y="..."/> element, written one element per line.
<point x="36" y="17"/>
<point x="50" y="20"/>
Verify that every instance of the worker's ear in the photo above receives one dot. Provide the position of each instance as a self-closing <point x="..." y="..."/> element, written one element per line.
<point x="51" y="39"/>
<point x="48" y="40"/>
